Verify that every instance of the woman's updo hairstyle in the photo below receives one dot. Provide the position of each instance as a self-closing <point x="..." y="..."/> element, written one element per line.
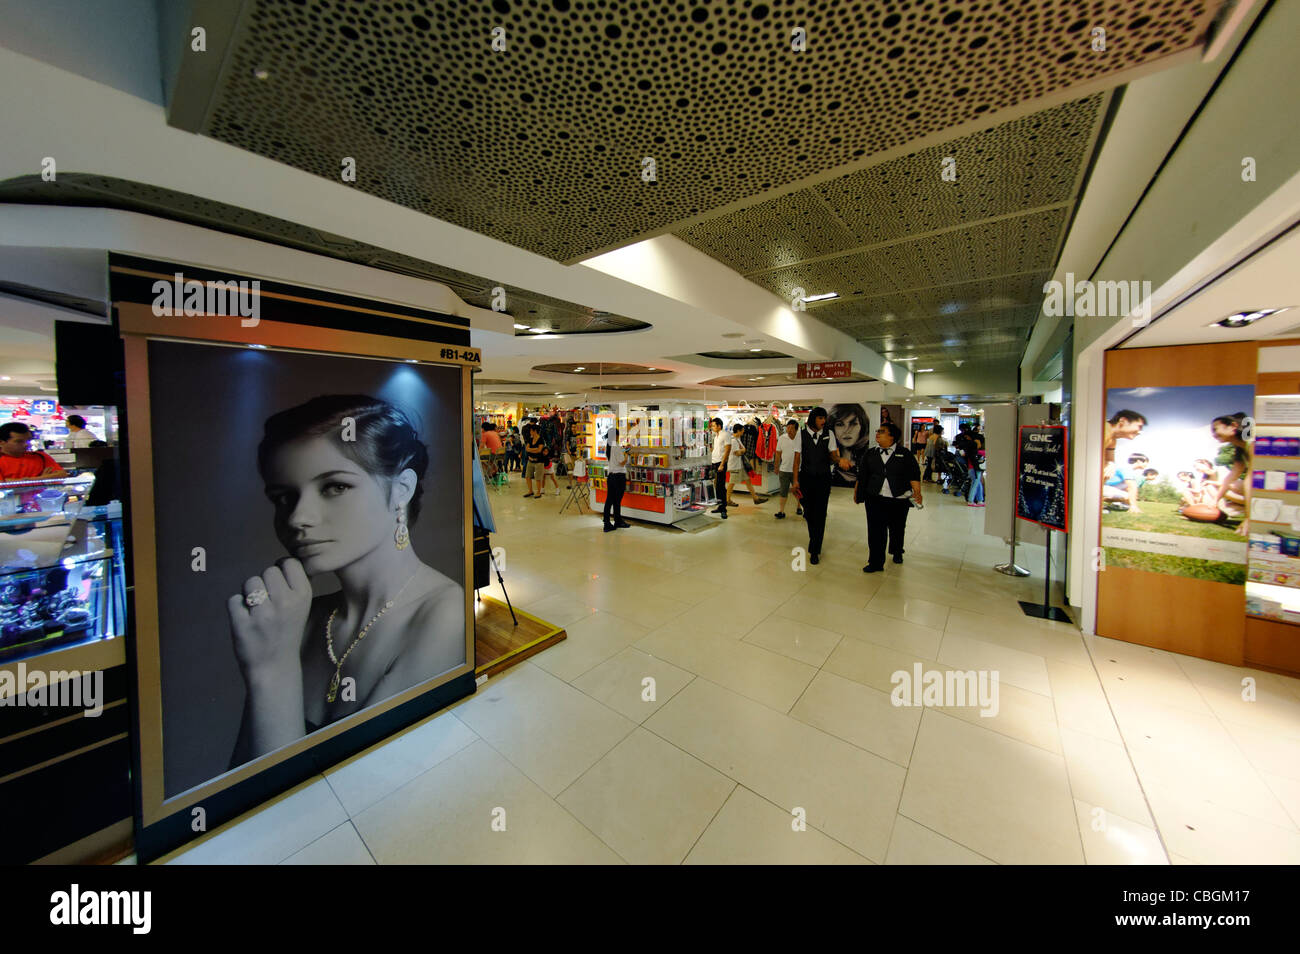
<point x="387" y="442"/>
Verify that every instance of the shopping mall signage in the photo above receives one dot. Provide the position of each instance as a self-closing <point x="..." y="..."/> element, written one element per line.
<point x="824" y="369"/>
<point x="1041" y="481"/>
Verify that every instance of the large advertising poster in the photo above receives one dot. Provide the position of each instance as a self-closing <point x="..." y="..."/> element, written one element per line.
<point x="1173" y="487"/>
<point x="323" y="495"/>
<point x="851" y="425"/>
<point x="1041" y="475"/>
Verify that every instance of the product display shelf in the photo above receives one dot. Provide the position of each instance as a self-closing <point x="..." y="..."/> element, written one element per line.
<point x="1273" y="499"/>
<point x="662" y="486"/>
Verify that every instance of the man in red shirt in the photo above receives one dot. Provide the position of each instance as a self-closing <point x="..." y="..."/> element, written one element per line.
<point x="17" y="462"/>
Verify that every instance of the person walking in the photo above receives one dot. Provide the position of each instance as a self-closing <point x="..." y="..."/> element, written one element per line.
<point x="935" y="445"/>
<point x="787" y="462"/>
<point x="889" y="481"/>
<point x="718" y="463"/>
<point x="812" y="482"/>
<point x="615" y="482"/>
<point x="536" y="469"/>
<point x="736" y="467"/>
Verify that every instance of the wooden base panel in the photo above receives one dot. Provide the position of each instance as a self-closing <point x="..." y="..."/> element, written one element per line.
<point x="1174" y="613"/>
<point x="1273" y="645"/>
<point x="500" y="644"/>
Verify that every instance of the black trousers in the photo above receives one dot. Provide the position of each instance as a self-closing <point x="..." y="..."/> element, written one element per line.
<point x="886" y="521"/>
<point x="816" y="492"/>
<point x="615" y="486"/>
<point x="720" y="486"/>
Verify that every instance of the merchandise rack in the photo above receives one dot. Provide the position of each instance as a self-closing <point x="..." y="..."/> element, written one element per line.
<point x="662" y="486"/>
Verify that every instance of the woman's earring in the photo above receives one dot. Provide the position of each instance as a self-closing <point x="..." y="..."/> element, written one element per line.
<point x="401" y="538"/>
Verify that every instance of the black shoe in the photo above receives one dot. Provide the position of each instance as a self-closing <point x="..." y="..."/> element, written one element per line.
<point x="799" y="512"/>
<point x="779" y="516"/>
<point x="717" y="510"/>
<point x="609" y="527"/>
<point x="872" y="569"/>
<point x="898" y="558"/>
<point x="623" y="525"/>
<point x="814" y="559"/>
<point x="723" y="512"/>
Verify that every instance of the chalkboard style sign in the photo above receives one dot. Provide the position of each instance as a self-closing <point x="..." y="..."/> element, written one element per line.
<point x="1041" y="475"/>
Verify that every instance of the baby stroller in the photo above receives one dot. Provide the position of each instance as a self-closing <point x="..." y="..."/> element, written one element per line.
<point x="954" y="477"/>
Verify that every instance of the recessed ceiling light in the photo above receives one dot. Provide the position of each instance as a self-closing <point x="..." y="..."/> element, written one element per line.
<point x="519" y="327"/>
<point x="821" y="297"/>
<point x="923" y="370"/>
<point x="261" y="346"/>
<point x="5" y="377"/>
<point x="261" y="73"/>
<point x="412" y="360"/>
<point x="755" y="349"/>
<point x="652" y="369"/>
<point x="1243" y="318"/>
<point x="538" y="331"/>
<point x="579" y="369"/>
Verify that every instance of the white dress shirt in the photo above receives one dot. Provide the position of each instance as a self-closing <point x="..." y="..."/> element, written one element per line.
<point x="885" y="454"/>
<point x="719" y="446"/>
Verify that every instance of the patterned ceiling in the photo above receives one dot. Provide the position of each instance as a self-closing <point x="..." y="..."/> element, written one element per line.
<point x="926" y="267"/>
<point x="540" y="140"/>
<point x="773" y="380"/>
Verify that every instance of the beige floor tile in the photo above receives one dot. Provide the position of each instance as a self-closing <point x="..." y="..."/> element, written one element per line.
<point x="872" y="664"/>
<point x="1014" y="667"/>
<point x="914" y="844"/>
<point x="1267" y="750"/>
<point x="859" y="714"/>
<point x="999" y="797"/>
<point x="618" y="682"/>
<point x="798" y="640"/>
<point x="1287" y="791"/>
<point x="367" y="777"/>
<point x="551" y="731"/>
<point x="684" y="588"/>
<point x="1208" y="834"/>
<point x="561" y="610"/>
<point x="588" y="642"/>
<point x="1027" y="635"/>
<point x="647" y="799"/>
<point x="1204" y="672"/>
<point x="446" y="816"/>
<point x="1080" y="701"/>
<point x="271" y="832"/>
<point x="910" y="608"/>
<point x="342" y="846"/>
<point x="839" y="588"/>
<point x="1109" y="839"/>
<point x="749" y="830"/>
<point x="1270" y="710"/>
<point x="910" y="638"/>
<point x="760" y="674"/>
<point x="1101" y="774"/>
<point x="847" y="793"/>
<point x="1017" y="714"/>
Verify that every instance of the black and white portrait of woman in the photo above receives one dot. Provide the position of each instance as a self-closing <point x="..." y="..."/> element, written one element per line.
<point x="310" y="521"/>
<point x="852" y="428"/>
<point x="344" y="475"/>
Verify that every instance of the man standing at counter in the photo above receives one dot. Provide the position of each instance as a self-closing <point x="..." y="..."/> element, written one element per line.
<point x="17" y="462"/>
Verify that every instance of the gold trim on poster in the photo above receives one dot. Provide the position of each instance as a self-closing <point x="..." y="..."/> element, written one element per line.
<point x="139" y="325"/>
<point x="137" y="319"/>
<point x="123" y="270"/>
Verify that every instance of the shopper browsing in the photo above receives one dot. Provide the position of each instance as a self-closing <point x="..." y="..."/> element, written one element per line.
<point x="615" y="482"/>
<point x="19" y="463"/>
<point x="736" y="466"/>
<point x="787" y="462"/>
<point x="718" y="465"/>
<point x="812" y="483"/>
<point x="536" y="469"/>
<point x="890" y="479"/>
<point x="78" y="436"/>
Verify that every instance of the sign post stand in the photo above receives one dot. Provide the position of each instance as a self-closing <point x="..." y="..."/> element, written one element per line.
<point x="1042" y="497"/>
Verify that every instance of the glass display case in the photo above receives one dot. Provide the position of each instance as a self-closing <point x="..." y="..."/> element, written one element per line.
<point x="62" y="579"/>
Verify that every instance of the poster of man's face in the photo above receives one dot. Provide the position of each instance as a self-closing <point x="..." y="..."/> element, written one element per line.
<point x="309" y="518"/>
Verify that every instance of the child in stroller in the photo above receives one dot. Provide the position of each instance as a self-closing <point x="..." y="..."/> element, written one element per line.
<point x="953" y="474"/>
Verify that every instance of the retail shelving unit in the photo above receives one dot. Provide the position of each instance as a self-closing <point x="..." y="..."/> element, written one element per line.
<point x="662" y="486"/>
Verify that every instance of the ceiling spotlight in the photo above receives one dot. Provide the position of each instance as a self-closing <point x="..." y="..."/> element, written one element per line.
<point x="822" y="297"/>
<point x="538" y="331"/>
<point x="579" y="369"/>
<point x="1244" y="318"/>
<point x="755" y="349"/>
<point x="412" y="360"/>
<point x="261" y="73"/>
<point x="960" y="363"/>
<point x="923" y="370"/>
<point x="259" y="346"/>
<point x="519" y="327"/>
<point x="652" y="369"/>
<point x="5" y="377"/>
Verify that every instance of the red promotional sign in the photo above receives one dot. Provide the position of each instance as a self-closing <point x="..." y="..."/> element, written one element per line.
<point x="825" y="369"/>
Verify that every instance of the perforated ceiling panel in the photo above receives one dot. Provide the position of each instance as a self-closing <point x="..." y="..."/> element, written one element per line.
<point x="541" y="143"/>
<point x="528" y="308"/>
<point x="924" y="266"/>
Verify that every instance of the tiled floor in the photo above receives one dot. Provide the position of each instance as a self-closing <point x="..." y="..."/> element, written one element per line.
<point x="714" y="704"/>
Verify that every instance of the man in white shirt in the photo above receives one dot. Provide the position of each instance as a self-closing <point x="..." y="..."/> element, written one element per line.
<point x="718" y="461"/>
<point x="78" y="436"/>
<point x="787" y="462"/>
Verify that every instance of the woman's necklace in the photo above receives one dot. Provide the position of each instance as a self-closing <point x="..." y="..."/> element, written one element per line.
<point x="329" y="641"/>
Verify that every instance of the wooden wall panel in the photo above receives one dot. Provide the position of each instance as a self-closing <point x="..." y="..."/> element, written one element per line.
<point x="1273" y="645"/>
<point x="1186" y="366"/>
<point x="1174" y="613"/>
